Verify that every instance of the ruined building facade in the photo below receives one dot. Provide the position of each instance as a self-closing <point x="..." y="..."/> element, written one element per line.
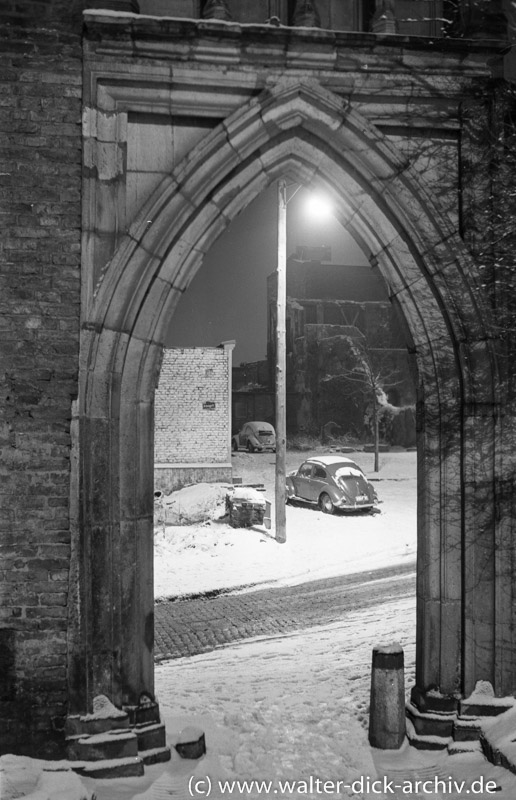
<point x="192" y="417"/>
<point x="131" y="136"/>
<point x="335" y="315"/>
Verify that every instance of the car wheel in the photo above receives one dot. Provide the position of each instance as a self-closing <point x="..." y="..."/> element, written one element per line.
<point x="250" y="447"/>
<point x="326" y="504"/>
<point x="234" y="446"/>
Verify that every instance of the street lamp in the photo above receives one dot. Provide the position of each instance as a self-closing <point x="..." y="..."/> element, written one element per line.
<point x="281" y="364"/>
<point x="319" y="208"/>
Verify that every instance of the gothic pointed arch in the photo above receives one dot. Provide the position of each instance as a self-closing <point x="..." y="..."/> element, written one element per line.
<point x="300" y="130"/>
<point x="311" y="135"/>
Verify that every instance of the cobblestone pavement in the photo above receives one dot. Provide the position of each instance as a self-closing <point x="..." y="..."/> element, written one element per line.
<point x="191" y="626"/>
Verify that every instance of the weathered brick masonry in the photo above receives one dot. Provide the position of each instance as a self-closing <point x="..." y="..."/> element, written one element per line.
<point x="40" y="189"/>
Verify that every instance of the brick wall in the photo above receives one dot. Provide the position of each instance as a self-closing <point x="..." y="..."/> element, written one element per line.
<point x="40" y="190"/>
<point x="29" y="16"/>
<point x="192" y="417"/>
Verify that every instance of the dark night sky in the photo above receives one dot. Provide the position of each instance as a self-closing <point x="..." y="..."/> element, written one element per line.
<point x="227" y="297"/>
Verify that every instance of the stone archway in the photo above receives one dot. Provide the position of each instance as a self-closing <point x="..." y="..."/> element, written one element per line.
<point x="302" y="131"/>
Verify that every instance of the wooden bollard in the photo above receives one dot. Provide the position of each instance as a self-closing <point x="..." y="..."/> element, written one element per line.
<point x="387" y="708"/>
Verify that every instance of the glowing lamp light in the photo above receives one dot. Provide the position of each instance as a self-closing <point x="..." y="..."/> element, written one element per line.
<point x="318" y="207"/>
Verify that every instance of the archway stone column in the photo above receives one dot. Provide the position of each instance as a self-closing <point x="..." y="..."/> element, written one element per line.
<point x="439" y="567"/>
<point x="112" y="650"/>
<point x="136" y="521"/>
<point x="505" y="544"/>
<point x="464" y="589"/>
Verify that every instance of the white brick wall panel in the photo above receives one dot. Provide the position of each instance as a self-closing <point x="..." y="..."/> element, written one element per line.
<point x="184" y="431"/>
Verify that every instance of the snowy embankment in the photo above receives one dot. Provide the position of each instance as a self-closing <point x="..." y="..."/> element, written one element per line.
<point x="210" y="555"/>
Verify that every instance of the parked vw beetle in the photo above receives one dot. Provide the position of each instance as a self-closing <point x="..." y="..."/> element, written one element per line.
<point x="255" y="436"/>
<point x="331" y="482"/>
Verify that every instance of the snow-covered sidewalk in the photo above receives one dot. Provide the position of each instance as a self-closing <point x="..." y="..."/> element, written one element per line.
<point x="295" y="708"/>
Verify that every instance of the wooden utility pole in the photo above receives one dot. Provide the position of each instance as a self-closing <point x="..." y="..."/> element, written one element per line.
<point x="281" y="416"/>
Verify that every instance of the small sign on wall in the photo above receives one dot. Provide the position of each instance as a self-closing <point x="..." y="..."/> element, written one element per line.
<point x="208" y="405"/>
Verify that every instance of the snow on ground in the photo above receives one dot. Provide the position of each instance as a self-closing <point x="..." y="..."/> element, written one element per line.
<point x="36" y="779"/>
<point x="293" y="706"/>
<point x="211" y="555"/>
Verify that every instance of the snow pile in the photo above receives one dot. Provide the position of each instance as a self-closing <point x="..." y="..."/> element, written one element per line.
<point x="36" y="779"/>
<point x="501" y="737"/>
<point x="482" y="690"/>
<point x="348" y="472"/>
<point x="246" y="494"/>
<point x="103" y="708"/>
<point x="483" y="694"/>
<point x="197" y="503"/>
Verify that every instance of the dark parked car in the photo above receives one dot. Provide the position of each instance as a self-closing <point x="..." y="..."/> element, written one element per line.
<point x="255" y="436"/>
<point x="331" y="482"/>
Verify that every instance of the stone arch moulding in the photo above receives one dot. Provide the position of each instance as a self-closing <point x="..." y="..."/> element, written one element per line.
<point x="312" y="136"/>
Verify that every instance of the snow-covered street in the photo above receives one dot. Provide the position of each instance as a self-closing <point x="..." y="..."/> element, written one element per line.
<point x="210" y="555"/>
<point x="288" y="708"/>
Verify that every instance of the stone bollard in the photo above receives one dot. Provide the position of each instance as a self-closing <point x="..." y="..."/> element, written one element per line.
<point x="191" y="742"/>
<point x="387" y="709"/>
